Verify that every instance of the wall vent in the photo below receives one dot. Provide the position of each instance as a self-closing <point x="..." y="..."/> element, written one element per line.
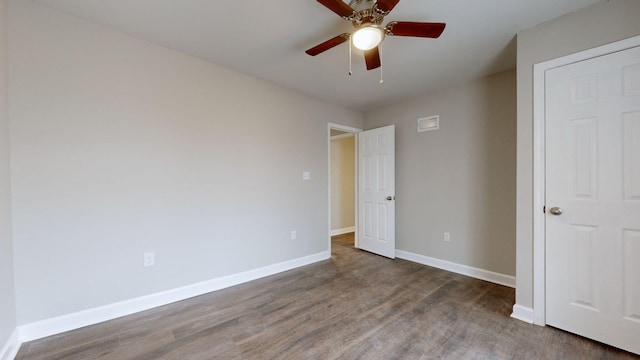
<point x="429" y="123"/>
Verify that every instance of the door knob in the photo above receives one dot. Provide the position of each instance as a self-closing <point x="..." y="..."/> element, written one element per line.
<point x="389" y="198"/>
<point x="556" y="211"/>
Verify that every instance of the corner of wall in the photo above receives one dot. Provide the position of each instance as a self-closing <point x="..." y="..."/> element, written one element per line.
<point x="11" y="347"/>
<point x="9" y="342"/>
<point x="522" y="313"/>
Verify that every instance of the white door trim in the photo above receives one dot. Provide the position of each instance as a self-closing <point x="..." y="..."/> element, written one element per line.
<point x="352" y="130"/>
<point x="539" y="296"/>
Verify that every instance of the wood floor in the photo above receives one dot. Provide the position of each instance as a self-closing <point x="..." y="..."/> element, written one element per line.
<point x="354" y="306"/>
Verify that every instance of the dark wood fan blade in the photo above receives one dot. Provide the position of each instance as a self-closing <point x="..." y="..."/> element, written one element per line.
<point x="338" y="7"/>
<point x="372" y="58"/>
<point x="386" y="5"/>
<point x="418" y="29"/>
<point x="328" y="44"/>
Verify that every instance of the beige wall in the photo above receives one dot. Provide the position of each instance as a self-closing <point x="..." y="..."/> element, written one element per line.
<point x="343" y="183"/>
<point x="120" y="147"/>
<point x="461" y="178"/>
<point x="596" y="25"/>
<point x="7" y="296"/>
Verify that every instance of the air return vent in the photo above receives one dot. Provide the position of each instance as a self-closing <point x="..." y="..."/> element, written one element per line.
<point x="429" y="123"/>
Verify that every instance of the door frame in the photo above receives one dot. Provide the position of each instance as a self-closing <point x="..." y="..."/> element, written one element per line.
<point x="539" y="159"/>
<point x="354" y="131"/>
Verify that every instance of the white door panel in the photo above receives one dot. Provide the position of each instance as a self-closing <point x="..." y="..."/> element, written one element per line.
<point x="376" y="191"/>
<point x="593" y="174"/>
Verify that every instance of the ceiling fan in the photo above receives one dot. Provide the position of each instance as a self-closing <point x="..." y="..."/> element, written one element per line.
<point x="367" y="17"/>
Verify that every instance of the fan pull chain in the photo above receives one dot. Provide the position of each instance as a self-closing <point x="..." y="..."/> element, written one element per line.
<point x="381" y="79"/>
<point x="350" y="72"/>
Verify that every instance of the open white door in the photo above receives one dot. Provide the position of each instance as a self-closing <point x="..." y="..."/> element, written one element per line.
<point x="593" y="198"/>
<point x="376" y="191"/>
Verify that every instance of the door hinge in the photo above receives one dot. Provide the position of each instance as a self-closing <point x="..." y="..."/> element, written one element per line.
<point x="544" y="209"/>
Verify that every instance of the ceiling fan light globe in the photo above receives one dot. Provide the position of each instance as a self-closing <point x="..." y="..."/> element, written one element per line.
<point x="367" y="37"/>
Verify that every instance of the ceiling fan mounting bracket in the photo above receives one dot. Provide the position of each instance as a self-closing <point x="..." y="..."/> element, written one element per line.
<point x="367" y="16"/>
<point x="389" y="28"/>
<point x="352" y="17"/>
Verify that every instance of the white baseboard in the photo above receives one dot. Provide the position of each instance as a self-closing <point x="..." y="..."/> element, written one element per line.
<point x="343" y="231"/>
<point x="10" y="349"/>
<point x="501" y="279"/>
<point x="60" y="324"/>
<point x="522" y="313"/>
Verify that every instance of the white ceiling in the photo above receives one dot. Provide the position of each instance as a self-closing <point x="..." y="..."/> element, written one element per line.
<point x="267" y="39"/>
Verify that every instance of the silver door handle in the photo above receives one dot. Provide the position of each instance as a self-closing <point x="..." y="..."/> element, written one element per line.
<point x="389" y="198"/>
<point x="556" y="211"/>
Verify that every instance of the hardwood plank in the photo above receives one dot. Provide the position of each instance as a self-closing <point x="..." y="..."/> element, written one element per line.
<point x="355" y="306"/>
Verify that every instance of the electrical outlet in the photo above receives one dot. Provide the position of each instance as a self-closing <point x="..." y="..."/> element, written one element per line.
<point x="149" y="259"/>
<point x="306" y="175"/>
<point x="294" y="235"/>
<point x="447" y="236"/>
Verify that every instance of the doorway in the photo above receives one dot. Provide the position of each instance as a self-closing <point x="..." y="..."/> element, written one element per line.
<point x="374" y="189"/>
<point x="342" y="183"/>
<point x="343" y="175"/>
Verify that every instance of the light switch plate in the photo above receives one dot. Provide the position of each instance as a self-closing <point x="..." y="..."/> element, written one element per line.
<point x="306" y="175"/>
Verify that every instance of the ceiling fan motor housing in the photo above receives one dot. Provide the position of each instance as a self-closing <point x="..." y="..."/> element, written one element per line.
<point x="365" y="13"/>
